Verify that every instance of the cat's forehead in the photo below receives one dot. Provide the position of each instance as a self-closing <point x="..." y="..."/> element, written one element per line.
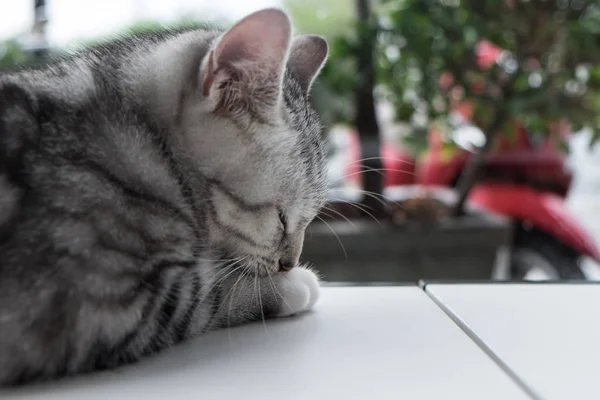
<point x="306" y="167"/>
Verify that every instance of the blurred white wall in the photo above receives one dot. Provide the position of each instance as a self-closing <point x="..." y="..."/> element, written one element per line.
<point x="15" y="17"/>
<point x="73" y="20"/>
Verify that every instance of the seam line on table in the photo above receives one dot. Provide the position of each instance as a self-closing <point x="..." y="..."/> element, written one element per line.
<point x="483" y="346"/>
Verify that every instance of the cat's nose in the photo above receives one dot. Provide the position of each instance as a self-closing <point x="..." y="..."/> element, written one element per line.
<point x="286" y="265"/>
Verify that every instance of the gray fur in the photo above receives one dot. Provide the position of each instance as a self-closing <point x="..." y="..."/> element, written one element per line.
<point x="136" y="212"/>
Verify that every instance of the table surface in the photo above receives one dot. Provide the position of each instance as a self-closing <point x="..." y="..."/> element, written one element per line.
<point x="546" y="334"/>
<point x="358" y="343"/>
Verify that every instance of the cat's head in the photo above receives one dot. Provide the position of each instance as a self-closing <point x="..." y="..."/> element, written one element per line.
<point x="253" y="134"/>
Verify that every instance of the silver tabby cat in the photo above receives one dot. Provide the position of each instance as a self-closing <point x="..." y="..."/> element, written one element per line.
<point x="152" y="189"/>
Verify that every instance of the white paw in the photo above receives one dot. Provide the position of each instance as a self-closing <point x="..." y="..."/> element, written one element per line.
<point x="300" y="290"/>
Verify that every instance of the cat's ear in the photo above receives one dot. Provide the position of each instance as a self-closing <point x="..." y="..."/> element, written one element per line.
<point x="307" y="57"/>
<point x="253" y="51"/>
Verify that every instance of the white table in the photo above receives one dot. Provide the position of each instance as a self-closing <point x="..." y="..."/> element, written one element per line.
<point x="359" y="343"/>
<point x="546" y="334"/>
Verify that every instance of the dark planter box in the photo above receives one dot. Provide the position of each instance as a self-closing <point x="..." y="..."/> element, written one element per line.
<point x="467" y="248"/>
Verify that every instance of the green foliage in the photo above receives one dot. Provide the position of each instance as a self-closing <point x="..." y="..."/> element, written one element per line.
<point x="12" y="54"/>
<point x="329" y="18"/>
<point x="549" y="69"/>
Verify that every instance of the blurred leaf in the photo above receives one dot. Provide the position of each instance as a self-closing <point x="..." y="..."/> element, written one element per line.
<point x="447" y="153"/>
<point x="330" y="18"/>
<point x="404" y="112"/>
<point x="13" y="55"/>
<point x="563" y="147"/>
<point x="484" y="112"/>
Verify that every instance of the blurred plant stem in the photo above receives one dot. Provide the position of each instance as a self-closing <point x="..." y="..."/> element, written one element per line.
<point x="472" y="170"/>
<point x="365" y="118"/>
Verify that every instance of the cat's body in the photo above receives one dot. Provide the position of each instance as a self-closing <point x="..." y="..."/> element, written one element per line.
<point x="129" y="170"/>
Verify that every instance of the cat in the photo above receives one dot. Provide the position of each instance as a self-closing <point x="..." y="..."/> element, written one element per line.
<point x="154" y="188"/>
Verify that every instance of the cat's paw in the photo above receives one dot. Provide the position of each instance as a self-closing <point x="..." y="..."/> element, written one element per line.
<point x="299" y="289"/>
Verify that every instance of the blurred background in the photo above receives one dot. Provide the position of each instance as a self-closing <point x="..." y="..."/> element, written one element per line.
<point x="461" y="133"/>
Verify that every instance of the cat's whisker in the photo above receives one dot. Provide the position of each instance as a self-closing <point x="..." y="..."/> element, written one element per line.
<point x="376" y="196"/>
<point x="380" y="171"/>
<point x="381" y="198"/>
<point x="230" y="294"/>
<point x="236" y="262"/>
<point x="276" y="291"/>
<point x="152" y="289"/>
<point x="232" y="290"/>
<point x="355" y="204"/>
<point x="341" y="215"/>
<point x="379" y="195"/>
<point x="225" y="262"/>
<point x="326" y="214"/>
<point x="229" y="269"/>
<point x="362" y="208"/>
<point x="336" y="235"/>
<point x="221" y="276"/>
<point x="260" y="302"/>
<point x="218" y="260"/>
<point x="381" y="158"/>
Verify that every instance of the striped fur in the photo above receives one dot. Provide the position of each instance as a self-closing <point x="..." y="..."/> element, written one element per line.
<point x="147" y="197"/>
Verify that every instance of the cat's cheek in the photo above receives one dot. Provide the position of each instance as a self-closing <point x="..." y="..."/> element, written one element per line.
<point x="299" y="289"/>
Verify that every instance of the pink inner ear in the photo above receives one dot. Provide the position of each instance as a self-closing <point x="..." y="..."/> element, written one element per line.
<point x="262" y="38"/>
<point x="209" y="75"/>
